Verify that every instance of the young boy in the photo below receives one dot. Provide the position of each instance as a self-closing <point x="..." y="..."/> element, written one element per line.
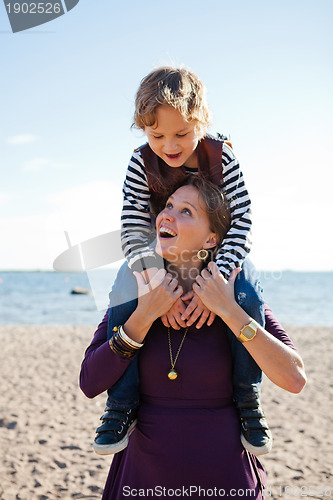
<point x="171" y="109"/>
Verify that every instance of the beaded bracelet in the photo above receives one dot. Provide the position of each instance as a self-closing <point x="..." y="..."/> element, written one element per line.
<point x="122" y="345"/>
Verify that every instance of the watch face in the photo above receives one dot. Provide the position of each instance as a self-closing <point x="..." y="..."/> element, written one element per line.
<point x="247" y="333"/>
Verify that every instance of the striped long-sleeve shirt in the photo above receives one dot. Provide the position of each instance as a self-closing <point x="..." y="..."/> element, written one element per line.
<point x="137" y="223"/>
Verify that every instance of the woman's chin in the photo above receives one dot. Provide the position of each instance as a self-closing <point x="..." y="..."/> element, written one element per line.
<point x="158" y="250"/>
<point x="164" y="250"/>
<point x="165" y="254"/>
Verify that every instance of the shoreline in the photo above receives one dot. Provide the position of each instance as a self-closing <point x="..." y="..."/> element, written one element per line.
<point x="47" y="425"/>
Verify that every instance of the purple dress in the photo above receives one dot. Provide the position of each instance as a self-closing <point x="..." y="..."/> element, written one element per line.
<point x="188" y="432"/>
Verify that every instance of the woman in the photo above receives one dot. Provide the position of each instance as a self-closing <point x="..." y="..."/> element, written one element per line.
<point x="187" y="438"/>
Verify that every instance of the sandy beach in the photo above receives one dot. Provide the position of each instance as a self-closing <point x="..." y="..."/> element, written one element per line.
<point x="47" y="425"/>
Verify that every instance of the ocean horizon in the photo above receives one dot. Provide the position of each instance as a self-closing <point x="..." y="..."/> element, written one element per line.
<point x="297" y="298"/>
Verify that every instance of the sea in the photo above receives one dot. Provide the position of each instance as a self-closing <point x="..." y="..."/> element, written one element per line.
<point x="47" y="298"/>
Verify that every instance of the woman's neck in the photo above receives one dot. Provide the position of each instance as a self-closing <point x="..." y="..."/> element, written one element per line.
<point x="185" y="273"/>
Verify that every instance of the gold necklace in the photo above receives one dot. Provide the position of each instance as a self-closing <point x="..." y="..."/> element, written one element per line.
<point x="172" y="372"/>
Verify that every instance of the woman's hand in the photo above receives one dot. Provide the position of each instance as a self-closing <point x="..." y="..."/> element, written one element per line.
<point x="196" y="309"/>
<point x="216" y="293"/>
<point x="148" y="274"/>
<point x="155" y="298"/>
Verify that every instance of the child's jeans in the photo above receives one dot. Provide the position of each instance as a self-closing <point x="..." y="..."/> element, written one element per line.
<point x="247" y="375"/>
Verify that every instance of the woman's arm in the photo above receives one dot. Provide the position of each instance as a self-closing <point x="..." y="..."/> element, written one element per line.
<point x="282" y="364"/>
<point x="101" y="367"/>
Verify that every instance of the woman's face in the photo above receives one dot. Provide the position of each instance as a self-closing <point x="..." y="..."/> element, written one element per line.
<point x="183" y="227"/>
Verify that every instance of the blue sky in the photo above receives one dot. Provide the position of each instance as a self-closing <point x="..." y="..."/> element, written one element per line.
<point x="67" y="92"/>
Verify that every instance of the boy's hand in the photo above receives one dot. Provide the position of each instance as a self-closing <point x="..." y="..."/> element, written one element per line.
<point x="195" y="309"/>
<point x="173" y="316"/>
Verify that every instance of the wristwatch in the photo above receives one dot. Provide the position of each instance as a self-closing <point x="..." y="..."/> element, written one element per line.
<point x="248" y="332"/>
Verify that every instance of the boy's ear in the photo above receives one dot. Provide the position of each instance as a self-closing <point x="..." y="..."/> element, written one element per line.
<point x="211" y="241"/>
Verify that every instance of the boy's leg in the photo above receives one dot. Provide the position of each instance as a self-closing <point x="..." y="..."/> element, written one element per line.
<point x="119" y="418"/>
<point x="247" y="375"/>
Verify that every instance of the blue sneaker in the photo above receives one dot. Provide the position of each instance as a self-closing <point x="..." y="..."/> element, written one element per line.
<point x="112" y="435"/>
<point x="256" y="436"/>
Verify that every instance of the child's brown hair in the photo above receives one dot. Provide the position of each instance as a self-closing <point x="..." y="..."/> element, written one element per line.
<point x="179" y="88"/>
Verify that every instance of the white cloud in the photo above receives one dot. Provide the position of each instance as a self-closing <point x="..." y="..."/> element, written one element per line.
<point x="60" y="165"/>
<point x="35" y="164"/>
<point x="24" y="243"/>
<point x="40" y="163"/>
<point x="6" y="197"/>
<point x="88" y="210"/>
<point x="22" y="139"/>
<point x="84" y="211"/>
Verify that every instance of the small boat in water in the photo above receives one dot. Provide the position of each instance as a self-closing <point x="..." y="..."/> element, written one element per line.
<point x="80" y="291"/>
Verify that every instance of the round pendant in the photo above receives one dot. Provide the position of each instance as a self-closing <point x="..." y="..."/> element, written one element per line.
<point x="172" y="374"/>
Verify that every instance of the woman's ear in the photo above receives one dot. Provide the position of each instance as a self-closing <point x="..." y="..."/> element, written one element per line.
<point x="211" y="241"/>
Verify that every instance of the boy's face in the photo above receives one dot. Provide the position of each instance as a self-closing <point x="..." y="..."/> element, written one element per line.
<point x="172" y="138"/>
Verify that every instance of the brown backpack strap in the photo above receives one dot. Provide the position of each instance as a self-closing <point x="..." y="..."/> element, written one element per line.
<point x="210" y="159"/>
